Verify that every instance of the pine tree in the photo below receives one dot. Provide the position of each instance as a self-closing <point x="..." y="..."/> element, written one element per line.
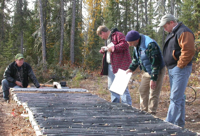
<point x="191" y="14"/>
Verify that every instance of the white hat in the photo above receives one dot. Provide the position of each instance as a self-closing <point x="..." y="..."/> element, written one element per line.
<point x="166" y="18"/>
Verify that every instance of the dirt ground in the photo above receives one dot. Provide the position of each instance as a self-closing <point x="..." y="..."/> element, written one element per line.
<point x="11" y="121"/>
<point x="13" y="124"/>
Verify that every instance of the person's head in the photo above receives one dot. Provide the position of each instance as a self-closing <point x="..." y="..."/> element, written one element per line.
<point x="168" y="21"/>
<point x="133" y="38"/>
<point x="19" y="59"/>
<point x="103" y="32"/>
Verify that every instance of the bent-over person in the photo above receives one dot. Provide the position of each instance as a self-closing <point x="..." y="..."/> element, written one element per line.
<point x="148" y="57"/>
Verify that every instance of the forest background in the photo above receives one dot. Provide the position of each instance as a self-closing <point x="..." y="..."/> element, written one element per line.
<point x="58" y="37"/>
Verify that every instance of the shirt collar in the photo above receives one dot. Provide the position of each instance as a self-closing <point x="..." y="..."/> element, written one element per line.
<point x="174" y="27"/>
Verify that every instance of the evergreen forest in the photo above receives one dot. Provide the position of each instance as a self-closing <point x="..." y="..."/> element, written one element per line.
<point x="58" y="37"/>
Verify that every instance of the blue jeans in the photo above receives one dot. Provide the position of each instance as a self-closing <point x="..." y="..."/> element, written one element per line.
<point x="6" y="86"/>
<point x="178" y="81"/>
<point x="125" y="98"/>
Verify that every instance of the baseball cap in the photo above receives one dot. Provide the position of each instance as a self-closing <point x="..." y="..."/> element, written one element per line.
<point x="19" y="56"/>
<point x="166" y="18"/>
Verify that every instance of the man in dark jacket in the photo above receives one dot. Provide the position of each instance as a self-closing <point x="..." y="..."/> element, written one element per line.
<point x="16" y="75"/>
<point x="115" y="55"/>
<point x="178" y="52"/>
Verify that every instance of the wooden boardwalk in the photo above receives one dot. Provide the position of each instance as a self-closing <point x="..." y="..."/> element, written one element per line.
<point x="63" y="114"/>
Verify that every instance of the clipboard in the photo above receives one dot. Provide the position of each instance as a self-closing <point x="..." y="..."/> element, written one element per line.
<point x="120" y="82"/>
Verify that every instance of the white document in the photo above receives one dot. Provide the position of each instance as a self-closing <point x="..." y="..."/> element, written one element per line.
<point x="120" y="82"/>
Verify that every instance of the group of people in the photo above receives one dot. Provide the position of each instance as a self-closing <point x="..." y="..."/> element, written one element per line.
<point x="177" y="55"/>
<point x="178" y="51"/>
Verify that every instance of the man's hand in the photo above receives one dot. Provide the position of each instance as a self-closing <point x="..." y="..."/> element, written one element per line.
<point x="153" y="84"/>
<point x="109" y="49"/>
<point x="103" y="49"/>
<point x="128" y="71"/>
<point x="18" y="83"/>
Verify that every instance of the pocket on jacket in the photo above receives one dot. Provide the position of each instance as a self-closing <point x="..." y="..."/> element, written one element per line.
<point x="176" y="54"/>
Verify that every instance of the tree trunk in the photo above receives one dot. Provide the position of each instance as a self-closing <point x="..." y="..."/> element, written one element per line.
<point x="118" y="18"/>
<point x="150" y="17"/>
<point x="163" y="35"/>
<point x="137" y="27"/>
<point x="21" y="26"/>
<point x="81" y="9"/>
<point x="126" y="18"/>
<point x="132" y="23"/>
<point x="45" y="20"/>
<point x="62" y="31"/>
<point x="172" y="7"/>
<point x="73" y="32"/>
<point x="146" y="8"/>
<point x="142" y="13"/>
<point x="22" y="41"/>
<point x="43" y="34"/>
<point x="2" y="25"/>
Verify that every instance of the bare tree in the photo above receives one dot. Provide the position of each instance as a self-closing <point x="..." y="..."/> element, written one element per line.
<point x="21" y="25"/>
<point x="2" y="24"/>
<point x="172" y="7"/>
<point x="150" y="17"/>
<point x="163" y="37"/>
<point x="118" y="13"/>
<point x="62" y="30"/>
<point x="45" y="16"/>
<point x="126" y="18"/>
<point x="43" y="34"/>
<point x="73" y="31"/>
<point x="137" y="27"/>
<point x="146" y="8"/>
<point x="80" y="12"/>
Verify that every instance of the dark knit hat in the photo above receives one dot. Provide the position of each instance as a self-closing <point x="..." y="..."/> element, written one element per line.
<point x="132" y="36"/>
